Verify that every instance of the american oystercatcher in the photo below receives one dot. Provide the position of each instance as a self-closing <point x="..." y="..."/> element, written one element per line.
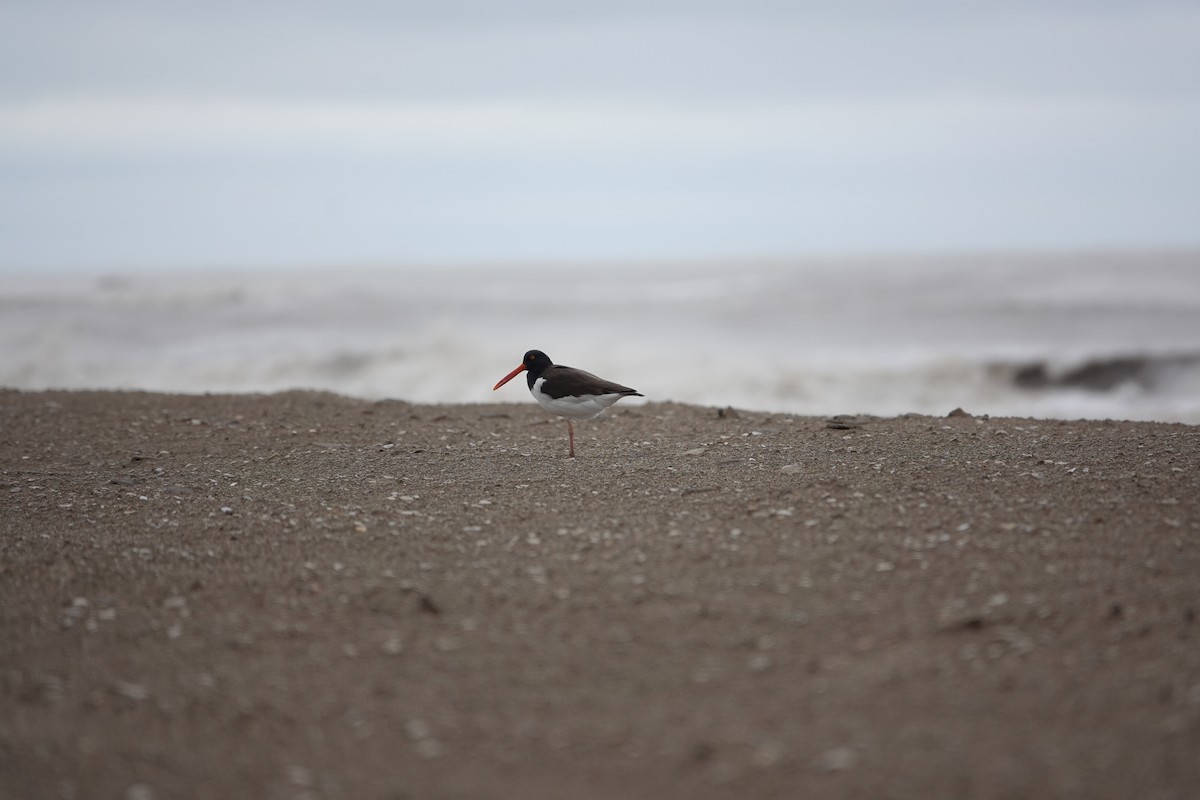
<point x="570" y="393"/>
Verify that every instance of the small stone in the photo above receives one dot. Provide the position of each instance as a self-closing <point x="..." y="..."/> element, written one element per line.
<point x="139" y="791"/>
<point x="132" y="691"/>
<point x="299" y="775"/>
<point x="226" y="510"/>
<point x="790" y="469"/>
<point x="448" y="644"/>
<point x="429" y="748"/>
<point x="958" y="412"/>
<point x="759" y="662"/>
<point x="417" y="729"/>
<point x="698" y="451"/>
<point x="837" y="759"/>
<point x="767" y="753"/>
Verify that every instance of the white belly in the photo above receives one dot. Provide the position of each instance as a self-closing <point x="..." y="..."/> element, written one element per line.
<point x="584" y="407"/>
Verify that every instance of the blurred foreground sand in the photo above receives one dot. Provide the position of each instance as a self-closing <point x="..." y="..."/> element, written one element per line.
<point x="303" y="595"/>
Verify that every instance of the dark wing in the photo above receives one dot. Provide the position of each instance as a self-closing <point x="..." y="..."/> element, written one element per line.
<point x="570" y="382"/>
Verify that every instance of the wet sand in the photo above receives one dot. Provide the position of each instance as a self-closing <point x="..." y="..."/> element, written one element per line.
<point x="307" y="596"/>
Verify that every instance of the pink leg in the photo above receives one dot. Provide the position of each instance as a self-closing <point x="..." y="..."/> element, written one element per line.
<point x="571" y="434"/>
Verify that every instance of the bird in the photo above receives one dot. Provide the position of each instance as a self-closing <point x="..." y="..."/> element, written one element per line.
<point x="568" y="392"/>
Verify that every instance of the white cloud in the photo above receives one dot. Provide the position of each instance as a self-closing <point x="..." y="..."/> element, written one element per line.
<point x="136" y="131"/>
<point x="879" y="128"/>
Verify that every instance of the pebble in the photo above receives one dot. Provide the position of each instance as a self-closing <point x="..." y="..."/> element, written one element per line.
<point x="429" y="748"/>
<point x="139" y="791"/>
<point x="132" y="691"/>
<point x="767" y="753"/>
<point x="837" y="759"/>
<point x="448" y="644"/>
<point x="299" y="775"/>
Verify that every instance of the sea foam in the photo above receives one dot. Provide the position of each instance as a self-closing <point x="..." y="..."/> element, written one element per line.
<point x="1063" y="336"/>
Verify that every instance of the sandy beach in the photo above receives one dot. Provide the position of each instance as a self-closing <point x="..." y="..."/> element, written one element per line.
<point x="301" y="595"/>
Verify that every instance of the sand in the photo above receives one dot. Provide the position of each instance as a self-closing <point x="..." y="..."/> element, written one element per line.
<point x="307" y="596"/>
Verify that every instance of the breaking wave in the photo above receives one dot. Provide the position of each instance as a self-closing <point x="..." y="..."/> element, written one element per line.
<point x="1064" y="336"/>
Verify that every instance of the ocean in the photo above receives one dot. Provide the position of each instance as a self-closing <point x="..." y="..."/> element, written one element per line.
<point x="1085" y="335"/>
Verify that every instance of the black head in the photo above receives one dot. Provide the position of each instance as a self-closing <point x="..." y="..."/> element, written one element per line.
<point x="535" y="363"/>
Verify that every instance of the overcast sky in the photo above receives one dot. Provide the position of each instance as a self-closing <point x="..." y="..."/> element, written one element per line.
<point x="138" y="135"/>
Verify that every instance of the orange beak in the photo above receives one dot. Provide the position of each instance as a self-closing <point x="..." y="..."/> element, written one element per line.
<point x="509" y="377"/>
